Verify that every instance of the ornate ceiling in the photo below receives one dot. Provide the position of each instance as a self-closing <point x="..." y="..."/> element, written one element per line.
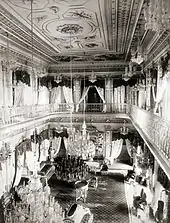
<point x="86" y="30"/>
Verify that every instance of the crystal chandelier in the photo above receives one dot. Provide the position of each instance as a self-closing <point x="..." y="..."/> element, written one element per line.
<point x="36" y="205"/>
<point x="137" y="56"/>
<point x="124" y="130"/>
<point x="157" y="15"/>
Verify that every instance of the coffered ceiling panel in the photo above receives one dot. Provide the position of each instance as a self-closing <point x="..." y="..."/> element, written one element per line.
<point x="70" y="25"/>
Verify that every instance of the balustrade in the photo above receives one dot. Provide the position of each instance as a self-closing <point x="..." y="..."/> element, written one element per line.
<point x="12" y="115"/>
<point x="154" y="127"/>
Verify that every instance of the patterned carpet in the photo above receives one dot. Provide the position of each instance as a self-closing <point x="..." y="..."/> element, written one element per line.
<point x="107" y="202"/>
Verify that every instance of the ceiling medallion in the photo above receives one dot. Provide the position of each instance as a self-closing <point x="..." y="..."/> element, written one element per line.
<point x="70" y="28"/>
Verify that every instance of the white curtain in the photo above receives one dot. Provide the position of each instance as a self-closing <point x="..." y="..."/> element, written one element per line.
<point x="122" y="97"/>
<point x="141" y="97"/>
<point x="56" y="142"/>
<point x="66" y="143"/>
<point x="100" y="91"/>
<point x="30" y="160"/>
<point x="161" y="88"/>
<point x="20" y="165"/>
<point x="28" y="95"/>
<point x="116" y="99"/>
<point x="129" y="147"/>
<point x="68" y="95"/>
<point x="56" y="95"/>
<point x="43" y="96"/>
<point x="19" y="94"/>
<point x="115" y="150"/>
<point x="85" y="92"/>
<point x="166" y="103"/>
<point x="148" y="97"/>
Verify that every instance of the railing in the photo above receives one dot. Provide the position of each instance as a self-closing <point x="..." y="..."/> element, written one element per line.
<point x="12" y="115"/>
<point x="154" y="127"/>
<point x="104" y="107"/>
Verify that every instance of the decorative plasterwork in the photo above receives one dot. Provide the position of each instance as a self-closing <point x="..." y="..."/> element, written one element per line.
<point x="20" y="35"/>
<point x="125" y="16"/>
<point x="67" y="25"/>
<point x="101" y="67"/>
<point x="159" y="48"/>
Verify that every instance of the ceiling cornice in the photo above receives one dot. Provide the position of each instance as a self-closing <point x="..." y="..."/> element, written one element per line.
<point x="127" y="27"/>
<point x="19" y="32"/>
<point x="78" y="75"/>
<point x="90" y="64"/>
<point x="159" y="50"/>
<point x="134" y="26"/>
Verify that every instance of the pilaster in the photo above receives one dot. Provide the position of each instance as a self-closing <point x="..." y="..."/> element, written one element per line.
<point x="108" y="143"/>
<point x="1" y="87"/>
<point x="148" y="90"/>
<point x="109" y="94"/>
<point x="76" y="90"/>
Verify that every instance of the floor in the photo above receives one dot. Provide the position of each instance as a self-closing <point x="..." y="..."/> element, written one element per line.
<point x="108" y="202"/>
<point x="111" y="202"/>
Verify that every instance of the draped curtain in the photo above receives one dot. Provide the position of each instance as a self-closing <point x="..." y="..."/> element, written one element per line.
<point x="166" y="103"/>
<point x="116" y="149"/>
<point x="20" y="164"/>
<point x="100" y="91"/>
<point x="119" y="98"/>
<point x="66" y="143"/>
<point x="19" y="94"/>
<point x="129" y="147"/>
<point x="141" y="97"/>
<point x="56" y="95"/>
<point x="161" y="88"/>
<point x="43" y="96"/>
<point x="30" y="160"/>
<point x="28" y="95"/>
<point x="68" y="95"/>
<point x="122" y="97"/>
<point x="84" y="94"/>
<point x="56" y="142"/>
<point x="7" y="170"/>
<point x="148" y="96"/>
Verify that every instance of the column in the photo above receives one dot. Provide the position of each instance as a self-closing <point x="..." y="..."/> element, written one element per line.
<point x="7" y="83"/>
<point x="1" y="87"/>
<point x="167" y="94"/>
<point x="34" y="86"/>
<point x="148" y="90"/>
<point x="108" y="144"/>
<point x="76" y="90"/>
<point x="157" y="108"/>
<point x="9" y="88"/>
<point x="155" y="174"/>
<point x="109" y="94"/>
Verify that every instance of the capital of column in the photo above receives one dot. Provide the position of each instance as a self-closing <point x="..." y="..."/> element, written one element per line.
<point x="8" y="65"/>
